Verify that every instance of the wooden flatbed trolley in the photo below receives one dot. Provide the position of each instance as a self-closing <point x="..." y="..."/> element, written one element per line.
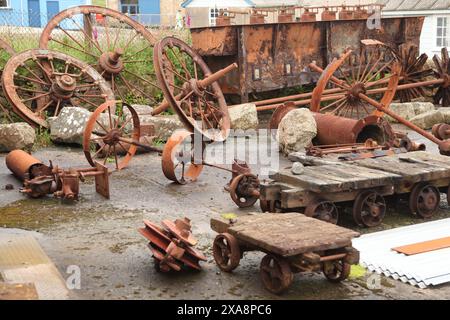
<point x="292" y="242"/>
<point x="421" y="176"/>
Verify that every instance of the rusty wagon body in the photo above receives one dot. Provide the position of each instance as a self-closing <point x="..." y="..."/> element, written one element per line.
<point x="274" y="56"/>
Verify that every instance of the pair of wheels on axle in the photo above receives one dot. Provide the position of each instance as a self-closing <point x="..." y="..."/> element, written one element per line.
<point x="277" y="273"/>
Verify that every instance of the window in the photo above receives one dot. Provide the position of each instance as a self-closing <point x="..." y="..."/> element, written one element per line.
<point x="213" y="14"/>
<point x="129" y="6"/>
<point x="442" y="35"/>
<point x="4" y="3"/>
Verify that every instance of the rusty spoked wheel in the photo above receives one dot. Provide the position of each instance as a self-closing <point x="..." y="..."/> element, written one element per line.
<point x="191" y="89"/>
<point x="336" y="271"/>
<point x="182" y="158"/>
<point x="36" y="92"/>
<point x="323" y="210"/>
<point x="424" y="200"/>
<point x="6" y="52"/>
<point x="117" y="46"/>
<point x="442" y="95"/>
<point x="351" y="86"/>
<point x="369" y="209"/>
<point x="276" y="274"/>
<point x="244" y="190"/>
<point x="226" y="251"/>
<point x="413" y="71"/>
<point x="110" y="133"/>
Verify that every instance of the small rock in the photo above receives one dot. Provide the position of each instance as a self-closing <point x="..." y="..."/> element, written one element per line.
<point x="14" y="136"/>
<point x="296" y="130"/>
<point x="428" y="119"/>
<point x="297" y="168"/>
<point x="404" y="110"/>
<point x="141" y="109"/>
<point x="445" y="114"/>
<point x="243" y="116"/>
<point x="423" y="107"/>
<point x="9" y="187"/>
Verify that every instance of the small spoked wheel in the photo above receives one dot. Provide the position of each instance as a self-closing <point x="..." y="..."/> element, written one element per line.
<point x="226" y="251"/>
<point x="110" y="133"/>
<point x="182" y="158"/>
<point x="271" y="206"/>
<point x="244" y="190"/>
<point x="424" y="200"/>
<point x="369" y="209"/>
<point x="336" y="271"/>
<point x="276" y="274"/>
<point x="323" y="210"/>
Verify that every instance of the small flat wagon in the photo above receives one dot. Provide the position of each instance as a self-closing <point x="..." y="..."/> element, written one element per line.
<point x="325" y="185"/>
<point x="293" y="243"/>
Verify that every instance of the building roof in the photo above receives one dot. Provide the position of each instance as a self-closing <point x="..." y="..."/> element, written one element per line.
<point x="415" y="5"/>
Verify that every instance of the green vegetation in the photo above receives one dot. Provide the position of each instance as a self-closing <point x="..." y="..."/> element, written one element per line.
<point x="42" y="138"/>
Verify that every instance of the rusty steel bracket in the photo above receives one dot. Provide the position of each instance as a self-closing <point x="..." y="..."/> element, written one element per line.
<point x="40" y="180"/>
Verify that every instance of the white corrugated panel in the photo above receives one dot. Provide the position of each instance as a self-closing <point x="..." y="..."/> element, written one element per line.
<point x="422" y="270"/>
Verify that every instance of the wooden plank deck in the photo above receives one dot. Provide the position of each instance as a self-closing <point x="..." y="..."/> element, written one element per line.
<point x="286" y="234"/>
<point x="337" y="178"/>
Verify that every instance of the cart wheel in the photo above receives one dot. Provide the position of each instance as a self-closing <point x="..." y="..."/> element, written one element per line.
<point x="276" y="274"/>
<point x="244" y="190"/>
<point x="226" y="251"/>
<point x="178" y="155"/>
<point x="424" y="200"/>
<point x="323" y="210"/>
<point x="369" y="209"/>
<point x="336" y="271"/>
<point x="271" y="206"/>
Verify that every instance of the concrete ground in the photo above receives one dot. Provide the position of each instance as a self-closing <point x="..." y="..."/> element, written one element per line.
<point x="100" y="237"/>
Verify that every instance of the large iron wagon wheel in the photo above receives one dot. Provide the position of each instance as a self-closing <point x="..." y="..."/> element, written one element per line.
<point x="183" y="77"/>
<point x="226" y="251"/>
<point x="424" y="200"/>
<point x="442" y="64"/>
<point x="119" y="47"/>
<point x="276" y="274"/>
<point x="37" y="92"/>
<point x="369" y="209"/>
<point x="345" y="87"/>
<point x="336" y="271"/>
<point x="110" y="133"/>
<point x="6" y="52"/>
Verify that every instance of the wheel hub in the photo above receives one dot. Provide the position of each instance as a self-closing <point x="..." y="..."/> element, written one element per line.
<point x="356" y="90"/>
<point x="63" y="87"/>
<point x="193" y="85"/>
<point x="112" y="137"/>
<point x="374" y="210"/>
<point x="429" y="200"/>
<point x="111" y="62"/>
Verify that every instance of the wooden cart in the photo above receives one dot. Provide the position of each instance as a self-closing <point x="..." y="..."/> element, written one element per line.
<point x="421" y="176"/>
<point x="293" y="243"/>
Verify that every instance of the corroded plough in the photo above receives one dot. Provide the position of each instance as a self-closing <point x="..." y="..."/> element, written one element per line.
<point x="172" y="245"/>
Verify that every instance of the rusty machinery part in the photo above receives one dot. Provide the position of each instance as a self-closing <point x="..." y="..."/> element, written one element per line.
<point x="424" y="200"/>
<point x="40" y="180"/>
<point x="226" y="252"/>
<point x="414" y="70"/>
<point x="244" y="190"/>
<point x="441" y="131"/>
<point x="442" y="64"/>
<point x="279" y="114"/>
<point x="181" y="229"/>
<point x="336" y="271"/>
<point x="323" y="210"/>
<point x="271" y="206"/>
<point x="191" y="89"/>
<point x="36" y="92"/>
<point x="168" y="252"/>
<point x="334" y="130"/>
<point x="369" y="209"/>
<point x="110" y="128"/>
<point x="276" y="273"/>
<point x="321" y="151"/>
<point x="353" y="80"/>
<point x="6" y="52"/>
<point x="115" y="44"/>
<point x="179" y="161"/>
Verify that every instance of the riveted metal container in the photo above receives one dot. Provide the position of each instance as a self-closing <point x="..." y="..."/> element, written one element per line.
<point x="20" y="163"/>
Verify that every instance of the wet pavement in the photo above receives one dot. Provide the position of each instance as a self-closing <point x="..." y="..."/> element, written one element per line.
<point x="100" y="237"/>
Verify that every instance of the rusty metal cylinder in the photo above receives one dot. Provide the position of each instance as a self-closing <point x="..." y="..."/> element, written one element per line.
<point x="21" y="164"/>
<point x="332" y="130"/>
<point x="328" y="15"/>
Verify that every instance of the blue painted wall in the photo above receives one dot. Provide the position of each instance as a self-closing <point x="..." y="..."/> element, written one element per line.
<point x="18" y="14"/>
<point x="149" y="11"/>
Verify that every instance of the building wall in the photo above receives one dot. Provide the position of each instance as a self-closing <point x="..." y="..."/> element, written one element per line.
<point x="169" y="10"/>
<point x="428" y="38"/>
